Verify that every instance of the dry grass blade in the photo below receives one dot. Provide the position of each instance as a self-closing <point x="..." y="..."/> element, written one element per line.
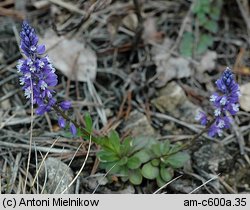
<point x="31" y="136"/>
<point x="213" y="178"/>
<point x="68" y="167"/>
<point x="103" y="178"/>
<point x="82" y="167"/>
<point x="97" y="100"/>
<point x="14" y="171"/>
<point x="165" y="185"/>
<point x="39" y="169"/>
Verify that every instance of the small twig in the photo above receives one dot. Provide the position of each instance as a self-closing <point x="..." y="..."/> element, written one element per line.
<point x="80" y="171"/>
<point x="244" y="14"/>
<point x="103" y="178"/>
<point x="216" y="177"/>
<point x="165" y="185"/>
<point x="31" y="135"/>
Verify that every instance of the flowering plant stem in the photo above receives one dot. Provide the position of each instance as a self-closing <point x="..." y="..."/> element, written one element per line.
<point x="86" y="134"/>
<point x="187" y="145"/>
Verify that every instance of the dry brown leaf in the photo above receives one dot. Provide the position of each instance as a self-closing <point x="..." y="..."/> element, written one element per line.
<point x="72" y="57"/>
<point x="208" y="60"/>
<point x="245" y="97"/>
<point x="130" y="21"/>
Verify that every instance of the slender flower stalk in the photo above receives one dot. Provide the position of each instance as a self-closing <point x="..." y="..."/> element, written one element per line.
<point x="225" y="102"/>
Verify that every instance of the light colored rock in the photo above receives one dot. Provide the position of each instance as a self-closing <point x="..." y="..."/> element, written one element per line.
<point x="172" y="100"/>
<point x="245" y="97"/>
<point x="59" y="176"/>
<point x="208" y="60"/>
<point x="91" y="182"/>
<point x="212" y="157"/>
<point x="138" y="125"/>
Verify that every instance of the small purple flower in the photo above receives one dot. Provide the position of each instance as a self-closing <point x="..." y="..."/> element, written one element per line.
<point x="61" y="122"/>
<point x="202" y="118"/>
<point x="225" y="102"/>
<point x="65" y="105"/>
<point x="73" y="129"/>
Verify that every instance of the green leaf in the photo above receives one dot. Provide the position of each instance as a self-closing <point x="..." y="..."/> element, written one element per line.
<point x="88" y="122"/>
<point x="215" y="14"/>
<point x="135" y="177"/>
<point x="197" y="7"/>
<point x="202" y="18"/>
<point x="166" y="174"/>
<point x="186" y="45"/>
<point x="106" y="156"/>
<point x="155" y="162"/>
<point x="149" y="171"/>
<point x="123" y="161"/>
<point x="205" y="42"/>
<point x="156" y="149"/>
<point x="126" y="146"/>
<point x="177" y="160"/>
<point x="123" y="171"/>
<point x="114" y="140"/>
<point x="211" y="26"/>
<point x="160" y="182"/>
<point x="143" y="156"/>
<point x="134" y="162"/>
<point x="108" y="165"/>
<point x="165" y="147"/>
<point x="141" y="142"/>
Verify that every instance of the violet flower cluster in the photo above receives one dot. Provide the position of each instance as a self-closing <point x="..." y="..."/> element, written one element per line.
<point x="38" y="76"/>
<point x="225" y="102"/>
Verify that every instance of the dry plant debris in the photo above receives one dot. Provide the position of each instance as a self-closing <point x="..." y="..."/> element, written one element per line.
<point x="116" y="60"/>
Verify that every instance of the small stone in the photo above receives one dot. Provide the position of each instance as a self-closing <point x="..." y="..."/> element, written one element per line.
<point x="212" y="158"/>
<point x="91" y="182"/>
<point x="138" y="125"/>
<point x="173" y="100"/>
<point x="58" y="176"/>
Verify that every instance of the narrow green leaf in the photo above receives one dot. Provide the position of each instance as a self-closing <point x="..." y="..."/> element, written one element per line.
<point x="186" y="45"/>
<point x="114" y="140"/>
<point x="156" y="149"/>
<point x="88" y="122"/>
<point x="164" y="147"/>
<point x="149" y="171"/>
<point x="106" y="156"/>
<point x="126" y="146"/>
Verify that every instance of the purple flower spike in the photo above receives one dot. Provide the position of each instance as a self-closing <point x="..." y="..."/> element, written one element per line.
<point x="225" y="102"/>
<point x="38" y="75"/>
<point x="73" y="129"/>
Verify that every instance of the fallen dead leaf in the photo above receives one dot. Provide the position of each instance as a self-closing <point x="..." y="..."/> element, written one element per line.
<point x="71" y="56"/>
<point x="245" y="97"/>
<point x="169" y="68"/>
<point x="207" y="62"/>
